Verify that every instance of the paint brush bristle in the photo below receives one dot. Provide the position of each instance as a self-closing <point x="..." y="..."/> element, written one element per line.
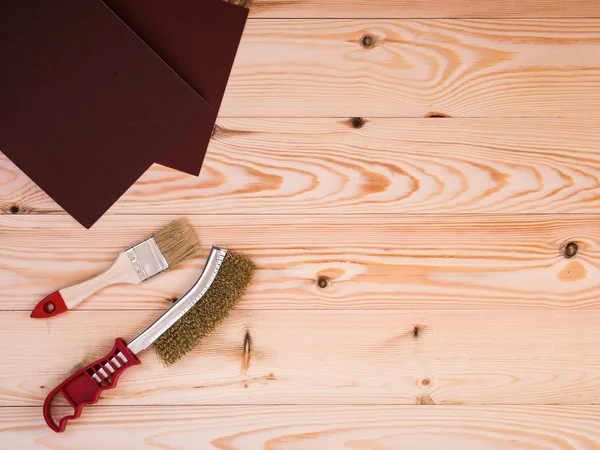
<point x="178" y="242"/>
<point x="229" y="285"/>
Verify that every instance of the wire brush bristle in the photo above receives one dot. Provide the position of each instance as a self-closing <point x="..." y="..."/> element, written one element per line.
<point x="229" y="285"/>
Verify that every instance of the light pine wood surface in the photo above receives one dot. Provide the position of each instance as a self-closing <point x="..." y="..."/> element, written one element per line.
<point x="418" y="184"/>
<point x="252" y="427"/>
<point x="419" y="8"/>
<point x="328" y="357"/>
<point x="413" y="68"/>
<point x="324" y="166"/>
<point x="391" y="261"/>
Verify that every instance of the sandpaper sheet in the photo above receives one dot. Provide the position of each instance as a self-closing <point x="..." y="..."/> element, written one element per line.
<point x="85" y="105"/>
<point x="199" y="40"/>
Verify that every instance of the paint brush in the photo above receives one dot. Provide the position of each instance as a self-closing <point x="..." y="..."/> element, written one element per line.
<point x="172" y="245"/>
<point x="221" y="285"/>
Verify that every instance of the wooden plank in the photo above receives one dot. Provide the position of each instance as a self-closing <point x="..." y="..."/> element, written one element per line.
<point x="419" y="9"/>
<point x="323" y="357"/>
<point x="277" y="166"/>
<point x="311" y="428"/>
<point x="392" y="261"/>
<point x="412" y="68"/>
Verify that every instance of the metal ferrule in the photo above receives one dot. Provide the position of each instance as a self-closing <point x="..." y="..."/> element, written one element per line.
<point x="147" y="259"/>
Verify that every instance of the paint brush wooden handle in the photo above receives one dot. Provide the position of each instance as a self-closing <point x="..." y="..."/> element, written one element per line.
<point x="172" y="245"/>
<point x="122" y="271"/>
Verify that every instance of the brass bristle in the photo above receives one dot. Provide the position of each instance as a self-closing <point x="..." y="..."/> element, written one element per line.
<point x="226" y="290"/>
<point x="177" y="242"/>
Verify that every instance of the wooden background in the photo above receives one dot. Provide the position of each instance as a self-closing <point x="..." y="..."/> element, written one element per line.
<point x="458" y="257"/>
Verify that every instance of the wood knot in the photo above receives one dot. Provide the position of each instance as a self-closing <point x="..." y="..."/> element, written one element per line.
<point x="425" y="382"/>
<point x="434" y="114"/>
<point x="416" y="331"/>
<point x="247" y="351"/>
<point x="14" y="209"/>
<point x="357" y="122"/>
<point x="570" y="250"/>
<point x="425" y="400"/>
<point x="368" y="41"/>
<point x="173" y="299"/>
<point x="322" y="282"/>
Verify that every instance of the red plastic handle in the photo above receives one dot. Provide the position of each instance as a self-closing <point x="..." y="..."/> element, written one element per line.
<point x="51" y="306"/>
<point x="85" y="386"/>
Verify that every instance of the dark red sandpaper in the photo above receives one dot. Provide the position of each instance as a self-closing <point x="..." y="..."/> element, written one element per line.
<point x="199" y="40"/>
<point x="85" y="105"/>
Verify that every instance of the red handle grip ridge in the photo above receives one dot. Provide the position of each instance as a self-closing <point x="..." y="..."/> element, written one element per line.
<point x="85" y="386"/>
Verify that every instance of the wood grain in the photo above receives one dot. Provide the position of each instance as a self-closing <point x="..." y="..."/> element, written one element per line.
<point x="419" y="9"/>
<point x="411" y="68"/>
<point x="326" y="166"/>
<point x="312" y="428"/>
<point x="323" y="357"/>
<point x="413" y="288"/>
<point x="392" y="261"/>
